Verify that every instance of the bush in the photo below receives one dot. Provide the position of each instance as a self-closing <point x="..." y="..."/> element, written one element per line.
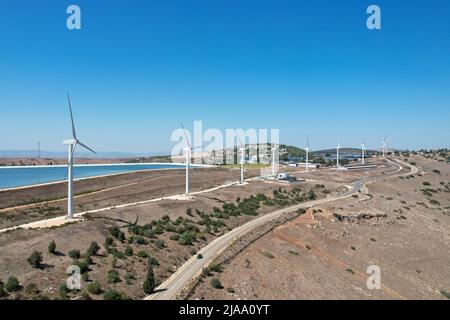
<point x="142" y="254"/>
<point x="113" y="276"/>
<point x="94" y="288"/>
<point x="113" y="295"/>
<point x="75" y="254"/>
<point x="3" y="292"/>
<point x="152" y="262"/>
<point x="35" y="259"/>
<point x="12" y="284"/>
<point x="215" y="283"/>
<point x="426" y="183"/>
<point x="189" y="211"/>
<point x="159" y="244"/>
<point x="108" y="241"/>
<point x="215" y="268"/>
<point x="140" y="240"/>
<point x="149" y="283"/>
<point x="83" y="265"/>
<point x="31" y="289"/>
<point x="63" y="291"/>
<point x="93" y="249"/>
<point x="129" y="251"/>
<point x="186" y="238"/>
<point x="268" y="255"/>
<point x="52" y="247"/>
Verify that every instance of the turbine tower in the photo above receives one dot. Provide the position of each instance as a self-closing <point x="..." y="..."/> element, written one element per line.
<point x="274" y="149"/>
<point x="188" y="151"/>
<point x="383" y="147"/>
<point x="363" y="152"/>
<point x="307" y="153"/>
<point x="337" y="155"/>
<point x="242" y="152"/>
<point x="72" y="143"/>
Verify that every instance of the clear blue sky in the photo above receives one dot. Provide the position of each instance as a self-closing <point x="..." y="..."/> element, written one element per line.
<point x="137" y="68"/>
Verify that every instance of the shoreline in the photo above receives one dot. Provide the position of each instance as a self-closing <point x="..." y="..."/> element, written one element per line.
<point x="175" y="165"/>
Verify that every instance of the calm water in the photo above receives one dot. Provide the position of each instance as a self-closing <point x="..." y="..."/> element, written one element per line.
<point x="11" y="177"/>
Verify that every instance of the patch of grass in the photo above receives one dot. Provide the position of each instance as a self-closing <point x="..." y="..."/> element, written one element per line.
<point x="295" y="253"/>
<point x="445" y="294"/>
<point x="350" y="270"/>
<point x="267" y="254"/>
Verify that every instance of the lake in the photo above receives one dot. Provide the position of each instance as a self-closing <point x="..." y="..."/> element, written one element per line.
<point x="12" y="177"/>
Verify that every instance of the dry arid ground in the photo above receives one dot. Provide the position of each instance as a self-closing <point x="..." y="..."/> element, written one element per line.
<point x="400" y="224"/>
<point x="160" y="230"/>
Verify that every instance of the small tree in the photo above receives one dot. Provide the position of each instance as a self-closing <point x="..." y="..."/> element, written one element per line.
<point x="35" y="259"/>
<point x="74" y="254"/>
<point x="215" y="283"/>
<point x="113" y="276"/>
<point x="149" y="283"/>
<point x="12" y="284"/>
<point x="129" y="251"/>
<point x="94" y="288"/>
<point x="93" y="249"/>
<point x="52" y="247"/>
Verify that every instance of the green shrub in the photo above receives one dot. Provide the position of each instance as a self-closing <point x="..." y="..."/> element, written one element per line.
<point x="113" y="276"/>
<point x="268" y="255"/>
<point x="140" y="240"/>
<point x="108" y="241"/>
<point x="74" y="254"/>
<point x="128" y="251"/>
<point x="3" y="292"/>
<point x="149" y="282"/>
<point x="63" y="291"/>
<point x="113" y="295"/>
<point x="215" y="283"/>
<point x="142" y="254"/>
<point x="31" y="289"/>
<point x="94" y="288"/>
<point x="52" y="247"/>
<point x="152" y="262"/>
<point x="82" y="264"/>
<point x="12" y="284"/>
<point x="35" y="259"/>
<point x="189" y="211"/>
<point x="93" y="248"/>
<point x="159" y="244"/>
<point x="186" y="238"/>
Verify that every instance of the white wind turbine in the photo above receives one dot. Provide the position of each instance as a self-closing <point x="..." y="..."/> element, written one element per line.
<point x="188" y="151"/>
<point x="307" y="153"/>
<point x="72" y="143"/>
<point x="242" y="152"/>
<point x="338" y="147"/>
<point x="363" y="152"/>
<point x="383" y="147"/>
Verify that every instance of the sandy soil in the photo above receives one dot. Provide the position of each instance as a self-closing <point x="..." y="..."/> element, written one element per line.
<point x="325" y="253"/>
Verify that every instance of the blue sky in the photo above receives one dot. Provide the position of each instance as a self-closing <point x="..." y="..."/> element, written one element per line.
<point x="137" y="68"/>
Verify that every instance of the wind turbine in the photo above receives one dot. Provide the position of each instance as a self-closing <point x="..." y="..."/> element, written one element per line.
<point x="337" y="155"/>
<point x="383" y="147"/>
<point x="274" y="149"/>
<point x="72" y="143"/>
<point x="188" y="151"/>
<point x="363" y="151"/>
<point x="242" y="151"/>
<point x="307" y="153"/>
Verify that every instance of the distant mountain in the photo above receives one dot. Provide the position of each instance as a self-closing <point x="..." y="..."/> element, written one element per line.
<point x="62" y="154"/>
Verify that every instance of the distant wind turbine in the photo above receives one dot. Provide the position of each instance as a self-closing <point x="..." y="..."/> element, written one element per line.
<point x="188" y="151"/>
<point x="72" y="143"/>
<point x="242" y="152"/>
<point x="383" y="147"/>
<point x="363" y="151"/>
<point x="307" y="153"/>
<point x="337" y="155"/>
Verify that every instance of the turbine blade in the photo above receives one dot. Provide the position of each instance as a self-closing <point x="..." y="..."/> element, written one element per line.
<point x="307" y="141"/>
<point x="74" y="133"/>
<point x="185" y="135"/>
<point x="86" y="147"/>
